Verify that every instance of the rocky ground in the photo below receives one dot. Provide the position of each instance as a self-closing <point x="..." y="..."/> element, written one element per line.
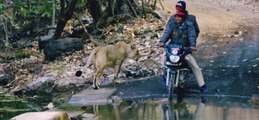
<point x="223" y="24"/>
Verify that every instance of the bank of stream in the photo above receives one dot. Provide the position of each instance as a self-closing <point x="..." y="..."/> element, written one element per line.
<point x="187" y="108"/>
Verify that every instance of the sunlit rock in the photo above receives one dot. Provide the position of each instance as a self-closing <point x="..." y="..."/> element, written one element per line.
<point x="42" y="116"/>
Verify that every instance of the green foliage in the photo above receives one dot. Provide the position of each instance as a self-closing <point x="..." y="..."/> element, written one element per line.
<point x="45" y="87"/>
<point x="2" y="6"/>
<point x="18" y="54"/>
<point x="42" y="8"/>
<point x="58" y="102"/>
<point x="113" y="6"/>
<point x="30" y="16"/>
<point x="81" y="7"/>
<point x="82" y="4"/>
<point x="56" y="66"/>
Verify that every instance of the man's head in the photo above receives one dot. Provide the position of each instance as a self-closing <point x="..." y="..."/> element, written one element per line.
<point x="180" y="16"/>
<point x="180" y="5"/>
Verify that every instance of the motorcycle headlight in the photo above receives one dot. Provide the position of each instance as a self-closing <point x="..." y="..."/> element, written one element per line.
<point x="174" y="52"/>
<point x="174" y="58"/>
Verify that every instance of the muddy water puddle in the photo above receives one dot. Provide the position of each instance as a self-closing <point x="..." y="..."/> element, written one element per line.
<point x="186" y="108"/>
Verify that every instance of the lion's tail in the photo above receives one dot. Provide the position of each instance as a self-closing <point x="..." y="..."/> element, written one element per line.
<point x="90" y="58"/>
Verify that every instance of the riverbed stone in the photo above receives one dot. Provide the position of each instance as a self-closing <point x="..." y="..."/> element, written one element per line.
<point x="42" y="116"/>
<point x="135" y="71"/>
<point x="92" y="97"/>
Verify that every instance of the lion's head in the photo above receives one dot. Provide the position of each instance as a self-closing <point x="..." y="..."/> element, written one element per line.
<point x="134" y="53"/>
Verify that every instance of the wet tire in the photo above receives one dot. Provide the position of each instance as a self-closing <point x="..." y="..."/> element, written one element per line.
<point x="171" y="86"/>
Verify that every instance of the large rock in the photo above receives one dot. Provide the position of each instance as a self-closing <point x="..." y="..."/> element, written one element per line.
<point x="43" y="41"/>
<point x="43" y="85"/>
<point x="56" y="48"/>
<point x="42" y="116"/>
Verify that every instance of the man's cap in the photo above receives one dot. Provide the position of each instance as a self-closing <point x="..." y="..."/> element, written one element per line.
<point x="181" y="4"/>
<point x="180" y="13"/>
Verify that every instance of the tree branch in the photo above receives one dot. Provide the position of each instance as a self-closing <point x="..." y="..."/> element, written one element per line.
<point x="161" y="5"/>
<point x="131" y="8"/>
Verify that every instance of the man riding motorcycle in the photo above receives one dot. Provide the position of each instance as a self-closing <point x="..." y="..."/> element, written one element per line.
<point x="182" y="32"/>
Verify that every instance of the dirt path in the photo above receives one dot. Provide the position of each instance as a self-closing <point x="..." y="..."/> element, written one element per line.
<point x="219" y="16"/>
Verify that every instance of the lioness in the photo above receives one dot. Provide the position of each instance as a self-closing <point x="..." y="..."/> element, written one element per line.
<point x="111" y="56"/>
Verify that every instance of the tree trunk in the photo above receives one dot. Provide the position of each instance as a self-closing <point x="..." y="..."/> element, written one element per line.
<point x="65" y="15"/>
<point x="94" y="9"/>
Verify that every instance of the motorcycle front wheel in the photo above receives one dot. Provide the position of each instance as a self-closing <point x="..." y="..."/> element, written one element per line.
<point x="170" y="78"/>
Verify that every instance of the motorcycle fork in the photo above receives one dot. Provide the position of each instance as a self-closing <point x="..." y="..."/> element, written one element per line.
<point x="169" y="77"/>
<point x="177" y="78"/>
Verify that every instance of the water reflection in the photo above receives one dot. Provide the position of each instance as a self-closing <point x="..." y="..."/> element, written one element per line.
<point x="188" y="108"/>
<point x="11" y="106"/>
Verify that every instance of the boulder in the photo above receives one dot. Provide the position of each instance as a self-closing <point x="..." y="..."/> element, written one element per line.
<point x="43" y="85"/>
<point x="56" y="48"/>
<point x="43" y="41"/>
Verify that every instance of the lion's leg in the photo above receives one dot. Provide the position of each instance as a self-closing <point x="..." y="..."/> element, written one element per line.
<point x="116" y="72"/>
<point x="97" y="76"/>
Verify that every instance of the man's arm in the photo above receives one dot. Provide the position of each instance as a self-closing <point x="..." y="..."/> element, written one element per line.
<point x="168" y="31"/>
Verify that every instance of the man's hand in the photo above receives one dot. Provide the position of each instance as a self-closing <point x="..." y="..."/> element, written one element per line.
<point x="161" y="44"/>
<point x="193" y="48"/>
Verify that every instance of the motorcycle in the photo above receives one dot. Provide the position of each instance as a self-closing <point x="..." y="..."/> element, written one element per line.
<point x="175" y="66"/>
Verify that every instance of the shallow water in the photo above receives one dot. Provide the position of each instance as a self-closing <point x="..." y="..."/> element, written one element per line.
<point x="186" y="108"/>
<point x="11" y="106"/>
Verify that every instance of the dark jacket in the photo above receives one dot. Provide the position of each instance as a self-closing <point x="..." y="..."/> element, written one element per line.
<point x="192" y="19"/>
<point x="183" y="34"/>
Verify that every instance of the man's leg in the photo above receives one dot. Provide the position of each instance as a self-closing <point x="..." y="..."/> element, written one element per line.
<point x="196" y="71"/>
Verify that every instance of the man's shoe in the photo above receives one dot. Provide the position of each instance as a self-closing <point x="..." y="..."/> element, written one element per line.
<point x="203" y="99"/>
<point x="204" y="88"/>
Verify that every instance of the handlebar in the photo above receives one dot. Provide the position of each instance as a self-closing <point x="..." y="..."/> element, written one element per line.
<point x="188" y="49"/>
